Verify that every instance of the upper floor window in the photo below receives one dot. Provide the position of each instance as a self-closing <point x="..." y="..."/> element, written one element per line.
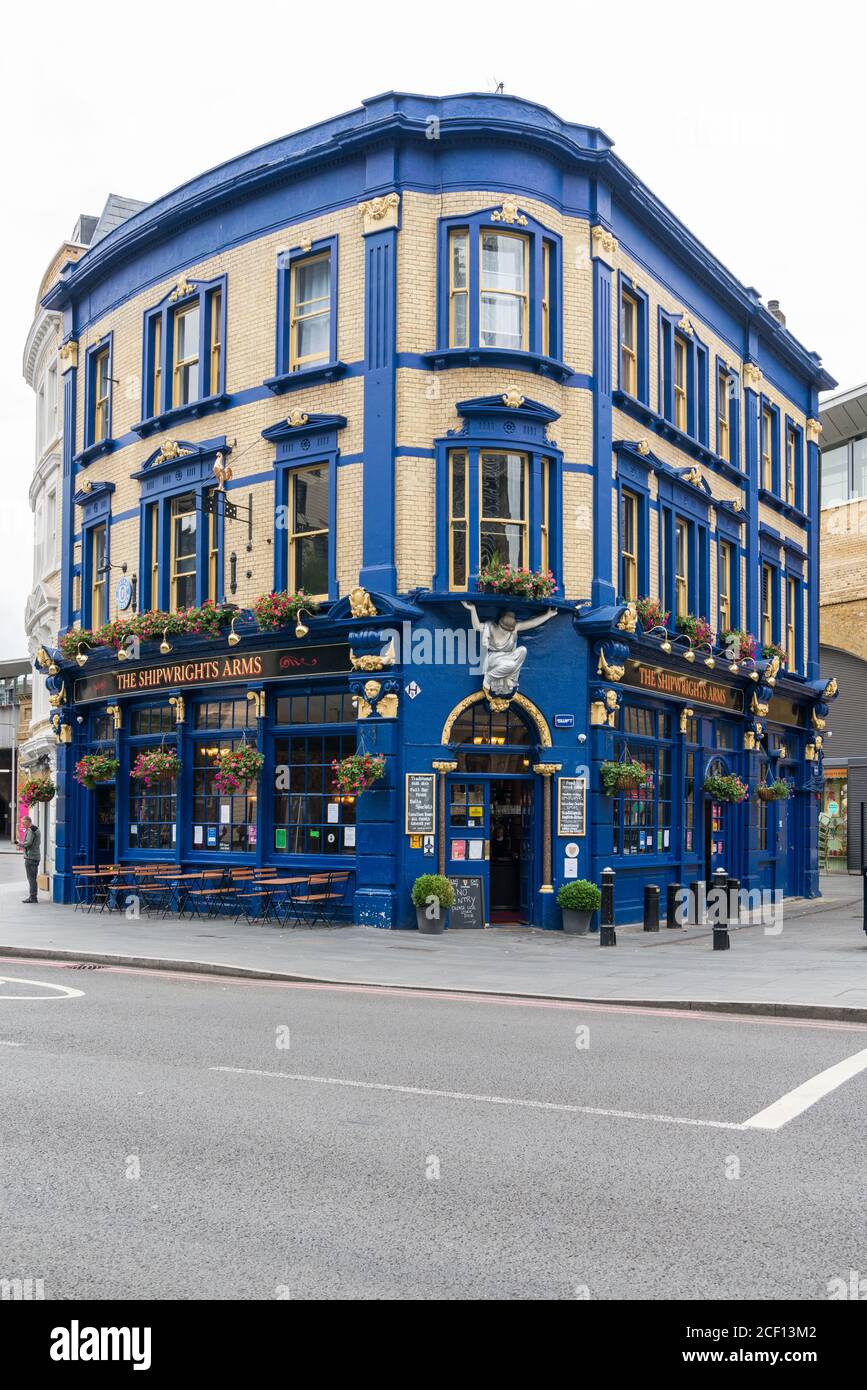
<point x="681" y="567"/>
<point x="183" y="530"/>
<point x="97" y="393"/>
<point x="726" y="585"/>
<point x="458" y="558"/>
<point x="310" y="334"/>
<point x="184" y="349"/>
<point x="628" y="546"/>
<point x="844" y="472"/>
<point x="98" y="615"/>
<point x="504" y="290"/>
<point x="185" y="379"/>
<point x="791" y="464"/>
<point x="792" y="596"/>
<point x="503" y="519"/>
<point x="681" y="366"/>
<point x="499" y="287"/>
<point x="723" y="412"/>
<point x="628" y="343"/>
<point x="768" y="603"/>
<point x="767" y="448"/>
<point x="308" y="537"/>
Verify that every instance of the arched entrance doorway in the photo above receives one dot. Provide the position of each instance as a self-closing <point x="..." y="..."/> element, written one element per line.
<point x="491" y="802"/>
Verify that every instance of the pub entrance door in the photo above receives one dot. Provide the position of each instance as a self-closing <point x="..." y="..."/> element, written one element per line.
<point x="491" y="833"/>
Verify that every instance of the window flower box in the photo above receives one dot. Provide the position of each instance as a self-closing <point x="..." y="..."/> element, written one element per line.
<point x="498" y="578"/>
<point x="278" y="610"/>
<point x="651" y="613"/>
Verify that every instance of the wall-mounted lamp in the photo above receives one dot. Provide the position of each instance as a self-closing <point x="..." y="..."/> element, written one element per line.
<point x="80" y="656"/>
<point x="165" y="646"/>
<point x="301" y="630"/>
<point x="233" y="638"/>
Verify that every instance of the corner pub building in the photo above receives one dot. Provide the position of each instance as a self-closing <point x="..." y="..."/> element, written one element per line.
<point x="366" y="361"/>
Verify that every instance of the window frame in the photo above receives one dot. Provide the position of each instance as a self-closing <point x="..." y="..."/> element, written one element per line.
<point x="769" y="432"/>
<point x="101" y="350"/>
<point x="769" y="616"/>
<point x="543" y="295"/>
<point x="629" y="559"/>
<point x="159" y="349"/>
<point x="504" y="521"/>
<point x="629" y="290"/>
<point x="794" y="434"/>
<point x="287" y="266"/>
<point x="156" y="538"/>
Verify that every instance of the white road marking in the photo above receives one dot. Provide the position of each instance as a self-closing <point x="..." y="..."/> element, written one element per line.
<point x="59" y="991"/>
<point x="485" y="1100"/>
<point x="795" y="1102"/>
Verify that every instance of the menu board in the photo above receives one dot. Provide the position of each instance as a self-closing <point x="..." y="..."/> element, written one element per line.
<point x="420" y="803"/>
<point x="571" y="805"/>
<point x="469" y="904"/>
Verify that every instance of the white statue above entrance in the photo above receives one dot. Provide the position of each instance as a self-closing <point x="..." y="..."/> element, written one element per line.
<point x="502" y="658"/>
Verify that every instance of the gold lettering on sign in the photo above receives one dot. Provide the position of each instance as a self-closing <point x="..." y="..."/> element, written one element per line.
<point x="689" y="687"/>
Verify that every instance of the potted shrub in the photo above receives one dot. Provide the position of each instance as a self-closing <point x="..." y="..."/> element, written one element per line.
<point x="628" y="776"/>
<point x="773" y="791"/>
<point x="94" y="768"/>
<point x="726" y="787"/>
<point x="432" y="895"/>
<point x="358" y="772"/>
<point x="578" y="899"/>
<point x="773" y="649"/>
<point x="651" y="613"/>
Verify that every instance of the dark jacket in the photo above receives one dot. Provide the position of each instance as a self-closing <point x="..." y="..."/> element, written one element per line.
<point x="33" y="843"/>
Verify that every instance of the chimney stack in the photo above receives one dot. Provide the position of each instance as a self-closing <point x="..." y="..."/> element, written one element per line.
<point x="774" y="308"/>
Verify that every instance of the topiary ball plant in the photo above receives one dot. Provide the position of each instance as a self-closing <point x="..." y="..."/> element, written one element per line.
<point x="580" y="895"/>
<point x="429" y="886"/>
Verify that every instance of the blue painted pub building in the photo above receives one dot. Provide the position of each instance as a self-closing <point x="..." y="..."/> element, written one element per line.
<point x="374" y="361"/>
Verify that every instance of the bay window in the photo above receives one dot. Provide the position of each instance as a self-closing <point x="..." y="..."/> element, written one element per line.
<point x="457" y="521"/>
<point x="499" y="287"/>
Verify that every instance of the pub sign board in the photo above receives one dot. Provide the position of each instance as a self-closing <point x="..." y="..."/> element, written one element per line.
<point x="282" y="663"/>
<point x="694" y="689"/>
<point x="571" y="805"/>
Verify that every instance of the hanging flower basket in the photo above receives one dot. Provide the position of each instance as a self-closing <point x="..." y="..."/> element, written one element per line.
<point x="282" y="609"/>
<point x="36" y="789"/>
<point x="651" y="613"/>
<point x="358" y="772"/>
<point x="157" y="765"/>
<point x="237" y="766"/>
<point x="497" y="578"/>
<point x="94" y="768"/>
<point x="726" y="787"/>
<point x="630" y="777"/>
<point x="773" y="791"/>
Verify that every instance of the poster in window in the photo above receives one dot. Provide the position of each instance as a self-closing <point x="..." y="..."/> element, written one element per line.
<point x="279" y="839"/>
<point x="459" y="849"/>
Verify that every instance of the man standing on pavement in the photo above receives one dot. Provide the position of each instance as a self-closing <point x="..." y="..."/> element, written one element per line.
<point x="32" y="853"/>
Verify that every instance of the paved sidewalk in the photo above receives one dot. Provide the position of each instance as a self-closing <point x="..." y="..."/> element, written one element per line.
<point x="816" y="965"/>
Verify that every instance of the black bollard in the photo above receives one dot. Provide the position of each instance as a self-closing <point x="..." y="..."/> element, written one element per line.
<point x="719" y="916"/>
<point x="607" y="934"/>
<point x="651" y="907"/>
<point x="698" y="894"/>
<point x="672" y="903"/>
<point x="734" y="886"/>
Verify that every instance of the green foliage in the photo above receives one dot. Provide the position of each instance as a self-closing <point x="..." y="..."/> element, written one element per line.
<point x="429" y="886"/>
<point x="580" y="895"/>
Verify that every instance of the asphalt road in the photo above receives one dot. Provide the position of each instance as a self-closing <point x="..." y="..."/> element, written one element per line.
<point x="183" y="1138"/>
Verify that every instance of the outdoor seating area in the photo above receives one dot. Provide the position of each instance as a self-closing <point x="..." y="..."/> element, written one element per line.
<point x="261" y="897"/>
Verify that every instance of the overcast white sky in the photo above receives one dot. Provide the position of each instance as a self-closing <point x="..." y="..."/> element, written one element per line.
<point x="747" y="119"/>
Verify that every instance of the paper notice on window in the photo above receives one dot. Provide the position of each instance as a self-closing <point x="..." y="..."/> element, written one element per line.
<point x="476" y="848"/>
<point x="198" y="834"/>
<point x="333" y="812"/>
<point x="225" y="813"/>
<point x="570" y="868"/>
<point x="349" y="837"/>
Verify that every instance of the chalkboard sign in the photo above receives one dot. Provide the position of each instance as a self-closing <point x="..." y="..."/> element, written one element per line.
<point x="420" y="803"/>
<point x="571" y="805"/>
<point x="469" y="905"/>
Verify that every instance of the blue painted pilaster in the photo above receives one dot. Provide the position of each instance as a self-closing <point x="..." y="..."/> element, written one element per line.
<point x="70" y="377"/>
<point x="379" y="571"/>
<point x="603" y="492"/>
<point x="751" y="466"/>
<point x="812" y="576"/>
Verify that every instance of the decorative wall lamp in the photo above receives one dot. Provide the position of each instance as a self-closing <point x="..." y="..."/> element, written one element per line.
<point x="301" y="629"/>
<point x="165" y="646"/>
<point x="80" y="656"/>
<point x="689" y="654"/>
<point x="233" y="639"/>
<point x="664" y="645"/>
<point x="710" y="659"/>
